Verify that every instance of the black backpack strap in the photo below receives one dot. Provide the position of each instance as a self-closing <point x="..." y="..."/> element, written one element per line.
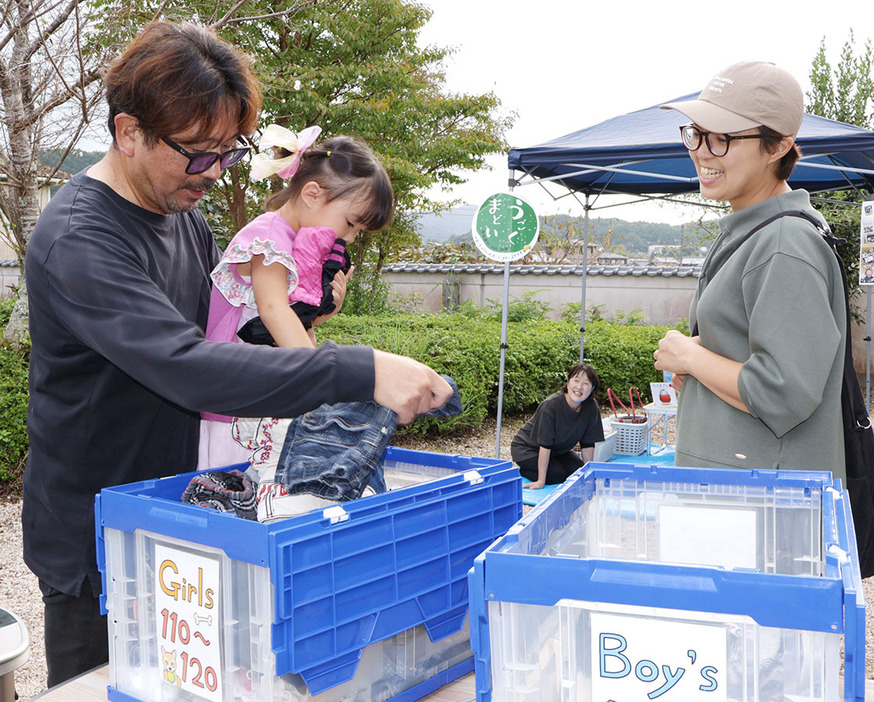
<point x="821" y="228"/>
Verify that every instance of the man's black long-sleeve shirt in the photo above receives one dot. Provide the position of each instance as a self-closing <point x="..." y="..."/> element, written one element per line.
<point x="120" y="369"/>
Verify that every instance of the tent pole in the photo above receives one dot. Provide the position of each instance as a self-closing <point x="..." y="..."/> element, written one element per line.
<point x="586" y="208"/>
<point x="511" y="182"/>
<point x="503" y="354"/>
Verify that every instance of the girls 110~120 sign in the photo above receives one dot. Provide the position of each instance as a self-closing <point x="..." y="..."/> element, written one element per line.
<point x="505" y="227"/>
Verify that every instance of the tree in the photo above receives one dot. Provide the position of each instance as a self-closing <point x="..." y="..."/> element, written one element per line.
<point x="49" y="74"/>
<point x="354" y="67"/>
<point x="351" y="67"/>
<point x="844" y="93"/>
<point x="49" y="88"/>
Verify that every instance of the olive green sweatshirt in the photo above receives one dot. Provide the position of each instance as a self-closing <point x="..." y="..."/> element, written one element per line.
<point x="777" y="306"/>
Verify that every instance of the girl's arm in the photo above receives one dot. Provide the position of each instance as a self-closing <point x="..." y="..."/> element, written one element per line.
<point x="270" y="286"/>
<point x="588" y="454"/>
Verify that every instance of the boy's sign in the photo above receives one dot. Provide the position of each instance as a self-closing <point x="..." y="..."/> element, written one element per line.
<point x="654" y="659"/>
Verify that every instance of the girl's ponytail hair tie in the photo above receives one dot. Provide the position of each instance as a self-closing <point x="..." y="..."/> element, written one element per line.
<point x="264" y="165"/>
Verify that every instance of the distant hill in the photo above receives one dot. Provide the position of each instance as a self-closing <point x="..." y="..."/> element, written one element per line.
<point x="76" y="160"/>
<point x="635" y="238"/>
<point x="454" y="223"/>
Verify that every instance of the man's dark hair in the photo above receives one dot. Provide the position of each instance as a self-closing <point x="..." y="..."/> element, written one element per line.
<point x="175" y="76"/>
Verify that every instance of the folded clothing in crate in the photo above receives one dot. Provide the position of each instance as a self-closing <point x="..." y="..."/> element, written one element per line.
<point x="331" y="582"/>
<point x="740" y="582"/>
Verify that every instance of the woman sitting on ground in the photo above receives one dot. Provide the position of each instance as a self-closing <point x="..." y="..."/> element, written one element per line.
<point x="543" y="448"/>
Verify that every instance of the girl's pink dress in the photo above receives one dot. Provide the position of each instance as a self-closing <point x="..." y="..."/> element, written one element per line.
<point x="232" y="304"/>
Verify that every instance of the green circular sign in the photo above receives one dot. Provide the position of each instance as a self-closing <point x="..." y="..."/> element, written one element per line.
<point x="505" y="227"/>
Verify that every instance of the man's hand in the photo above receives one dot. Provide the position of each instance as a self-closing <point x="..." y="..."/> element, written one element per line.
<point x="408" y="387"/>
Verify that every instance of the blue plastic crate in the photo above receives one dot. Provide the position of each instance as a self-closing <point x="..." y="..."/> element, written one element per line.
<point x="339" y="580"/>
<point x="775" y="593"/>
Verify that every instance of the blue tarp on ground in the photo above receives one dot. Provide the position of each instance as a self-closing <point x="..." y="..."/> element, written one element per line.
<point x="641" y="153"/>
<point x="658" y="456"/>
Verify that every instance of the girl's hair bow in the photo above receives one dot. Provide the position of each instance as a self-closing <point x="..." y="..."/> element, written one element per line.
<point x="263" y="165"/>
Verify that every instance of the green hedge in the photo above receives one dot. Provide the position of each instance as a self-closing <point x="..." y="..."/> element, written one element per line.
<point x="466" y="347"/>
<point x="13" y="402"/>
<point x="538" y="355"/>
<point x="13" y="412"/>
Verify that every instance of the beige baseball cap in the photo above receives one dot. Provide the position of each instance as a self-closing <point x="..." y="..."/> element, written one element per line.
<point x="747" y="95"/>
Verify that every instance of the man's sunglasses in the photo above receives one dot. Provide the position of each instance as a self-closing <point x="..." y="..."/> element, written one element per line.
<point x="198" y="163"/>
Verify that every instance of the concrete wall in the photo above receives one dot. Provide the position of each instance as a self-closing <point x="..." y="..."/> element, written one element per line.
<point x="9" y="275"/>
<point x="662" y="299"/>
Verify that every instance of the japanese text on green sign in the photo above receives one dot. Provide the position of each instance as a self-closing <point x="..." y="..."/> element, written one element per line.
<point x="505" y="227"/>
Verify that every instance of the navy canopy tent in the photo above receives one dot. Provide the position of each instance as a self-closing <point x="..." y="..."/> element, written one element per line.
<point x="640" y="153"/>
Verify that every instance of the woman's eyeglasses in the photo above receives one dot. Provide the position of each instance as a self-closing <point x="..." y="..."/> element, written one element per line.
<point x="198" y="163"/>
<point x="717" y="144"/>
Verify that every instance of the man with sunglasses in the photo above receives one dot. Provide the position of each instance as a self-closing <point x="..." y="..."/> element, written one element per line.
<point x="117" y="271"/>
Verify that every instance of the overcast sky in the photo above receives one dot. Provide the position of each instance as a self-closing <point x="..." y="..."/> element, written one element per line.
<point x="563" y="65"/>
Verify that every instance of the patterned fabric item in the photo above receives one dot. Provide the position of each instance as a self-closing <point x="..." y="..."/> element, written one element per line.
<point x="231" y="491"/>
<point x="265" y="438"/>
<point x="329" y="455"/>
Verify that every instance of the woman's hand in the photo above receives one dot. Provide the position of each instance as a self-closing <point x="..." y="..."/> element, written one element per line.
<point x="535" y="486"/>
<point x="683" y="355"/>
<point x="675" y="351"/>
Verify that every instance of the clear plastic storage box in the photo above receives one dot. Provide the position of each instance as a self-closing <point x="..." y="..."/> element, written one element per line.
<point x="366" y="600"/>
<point x="674" y="584"/>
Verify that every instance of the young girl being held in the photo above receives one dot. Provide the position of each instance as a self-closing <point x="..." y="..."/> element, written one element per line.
<point x="288" y="268"/>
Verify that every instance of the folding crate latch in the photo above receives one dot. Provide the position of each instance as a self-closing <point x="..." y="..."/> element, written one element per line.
<point x="473" y="477"/>
<point x="335" y="514"/>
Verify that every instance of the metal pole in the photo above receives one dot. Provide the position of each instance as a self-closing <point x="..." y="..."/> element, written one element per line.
<point x="504" y="314"/>
<point x="583" y="284"/>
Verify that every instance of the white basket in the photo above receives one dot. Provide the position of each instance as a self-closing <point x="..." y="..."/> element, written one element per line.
<point x="605" y="449"/>
<point x="631" y="438"/>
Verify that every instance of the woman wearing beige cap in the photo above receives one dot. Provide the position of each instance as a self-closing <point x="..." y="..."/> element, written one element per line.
<point x="761" y="373"/>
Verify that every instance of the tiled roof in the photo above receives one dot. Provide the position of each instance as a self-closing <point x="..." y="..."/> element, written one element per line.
<point x="594" y="269"/>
